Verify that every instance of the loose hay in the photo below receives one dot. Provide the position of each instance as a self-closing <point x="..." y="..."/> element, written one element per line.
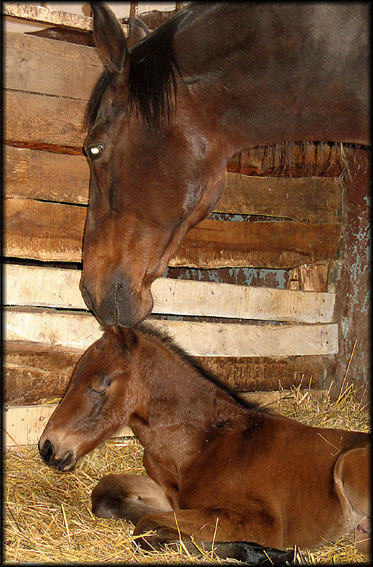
<point x="47" y="516"/>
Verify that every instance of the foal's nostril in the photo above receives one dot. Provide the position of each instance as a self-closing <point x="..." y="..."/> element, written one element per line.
<point x="47" y="451"/>
<point x="66" y="461"/>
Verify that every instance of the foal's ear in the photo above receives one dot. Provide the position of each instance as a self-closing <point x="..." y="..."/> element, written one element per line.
<point x="138" y="31"/>
<point x="109" y="37"/>
<point x="126" y="336"/>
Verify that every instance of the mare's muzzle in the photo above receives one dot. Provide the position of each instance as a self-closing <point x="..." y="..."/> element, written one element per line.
<point x="120" y="305"/>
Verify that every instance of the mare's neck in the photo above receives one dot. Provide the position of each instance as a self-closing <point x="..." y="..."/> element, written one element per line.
<point x="261" y="73"/>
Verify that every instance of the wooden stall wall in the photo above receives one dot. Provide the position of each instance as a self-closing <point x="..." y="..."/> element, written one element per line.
<point x="279" y="233"/>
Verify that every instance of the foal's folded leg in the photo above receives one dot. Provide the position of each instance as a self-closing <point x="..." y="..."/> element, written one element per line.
<point x="128" y="497"/>
<point x="230" y="533"/>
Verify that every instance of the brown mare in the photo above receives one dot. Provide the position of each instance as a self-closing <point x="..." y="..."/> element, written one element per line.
<point x="226" y="470"/>
<point x="171" y="109"/>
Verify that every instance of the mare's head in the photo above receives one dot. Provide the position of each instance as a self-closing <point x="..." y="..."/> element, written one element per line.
<point x="104" y="392"/>
<point x="154" y="171"/>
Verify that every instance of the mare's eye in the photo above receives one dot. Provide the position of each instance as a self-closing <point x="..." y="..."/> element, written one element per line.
<point x="100" y="387"/>
<point x="93" y="152"/>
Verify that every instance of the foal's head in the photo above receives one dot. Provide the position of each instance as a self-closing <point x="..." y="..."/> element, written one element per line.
<point x="154" y="173"/>
<point x="105" y="390"/>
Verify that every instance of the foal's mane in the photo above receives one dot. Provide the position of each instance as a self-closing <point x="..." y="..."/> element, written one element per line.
<point x="152" y="76"/>
<point x="148" y="329"/>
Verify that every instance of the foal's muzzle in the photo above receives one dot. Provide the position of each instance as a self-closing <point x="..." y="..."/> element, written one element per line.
<point x="48" y="454"/>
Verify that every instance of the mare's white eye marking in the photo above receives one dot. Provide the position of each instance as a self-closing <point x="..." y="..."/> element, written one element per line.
<point x="94" y="151"/>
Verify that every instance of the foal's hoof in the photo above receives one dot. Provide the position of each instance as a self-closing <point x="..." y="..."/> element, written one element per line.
<point x="106" y="508"/>
<point x="150" y="543"/>
<point x="254" y="554"/>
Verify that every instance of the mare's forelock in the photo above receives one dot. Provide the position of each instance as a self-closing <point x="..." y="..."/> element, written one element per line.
<point x="152" y="77"/>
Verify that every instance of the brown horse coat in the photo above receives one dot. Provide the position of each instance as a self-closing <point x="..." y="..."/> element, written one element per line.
<point x="226" y="470"/>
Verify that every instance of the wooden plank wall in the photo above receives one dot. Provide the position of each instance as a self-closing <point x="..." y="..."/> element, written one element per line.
<point x="255" y="338"/>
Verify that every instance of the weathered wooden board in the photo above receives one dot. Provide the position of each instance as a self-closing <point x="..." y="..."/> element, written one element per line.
<point x="60" y="178"/>
<point x="68" y="70"/>
<point x="283" y="244"/>
<point x="43" y="231"/>
<point x="305" y="199"/>
<point x="41" y="119"/>
<point x="38" y="373"/>
<point x="251" y="374"/>
<point x="46" y="15"/>
<point x="24" y="425"/>
<point x="47" y="176"/>
<point x="353" y="278"/>
<point x="291" y="158"/>
<point x="310" y="277"/>
<point x="79" y="330"/>
<point x="54" y="232"/>
<point x="52" y="287"/>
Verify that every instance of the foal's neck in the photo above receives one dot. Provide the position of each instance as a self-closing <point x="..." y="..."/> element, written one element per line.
<point x="184" y="407"/>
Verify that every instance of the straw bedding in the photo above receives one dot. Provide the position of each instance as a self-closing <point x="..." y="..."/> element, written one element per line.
<point x="47" y="516"/>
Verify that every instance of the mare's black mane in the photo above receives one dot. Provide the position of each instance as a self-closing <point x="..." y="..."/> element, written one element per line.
<point x="152" y="76"/>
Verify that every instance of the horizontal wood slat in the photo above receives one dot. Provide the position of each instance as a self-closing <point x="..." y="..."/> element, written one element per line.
<point x="291" y="158"/>
<point x="37" y="373"/>
<point x="43" y="231"/>
<point x="79" y="330"/>
<point x="52" y="287"/>
<point x="41" y="119"/>
<point x="35" y="174"/>
<point x="46" y="15"/>
<point x="54" y="232"/>
<point x="283" y="244"/>
<point x="309" y="199"/>
<point x="68" y="70"/>
<point x="56" y="177"/>
<point x="312" y="277"/>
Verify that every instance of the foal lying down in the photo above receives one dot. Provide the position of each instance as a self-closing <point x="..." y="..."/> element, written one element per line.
<point x="218" y="469"/>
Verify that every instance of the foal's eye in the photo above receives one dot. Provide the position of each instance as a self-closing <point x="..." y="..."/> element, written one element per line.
<point x="100" y="387"/>
<point x="93" y="152"/>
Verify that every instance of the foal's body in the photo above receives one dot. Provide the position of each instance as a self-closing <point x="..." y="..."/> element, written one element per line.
<point x="276" y="473"/>
<point x="226" y="470"/>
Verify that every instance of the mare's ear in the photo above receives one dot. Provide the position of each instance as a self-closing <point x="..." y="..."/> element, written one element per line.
<point x="126" y="336"/>
<point x="137" y="31"/>
<point x="109" y="37"/>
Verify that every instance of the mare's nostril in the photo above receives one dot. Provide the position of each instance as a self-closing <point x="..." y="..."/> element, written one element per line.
<point x="47" y="451"/>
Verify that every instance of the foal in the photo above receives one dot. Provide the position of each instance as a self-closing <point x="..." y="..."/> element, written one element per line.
<point x="219" y="469"/>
